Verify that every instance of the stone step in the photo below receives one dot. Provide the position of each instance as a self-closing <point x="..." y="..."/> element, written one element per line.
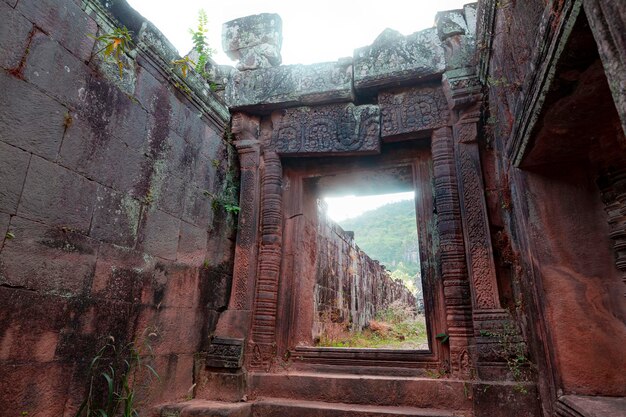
<point x="428" y="393"/>
<point x="590" y="406"/>
<point x="275" y="407"/>
<point x="280" y="407"/>
<point x="203" y="408"/>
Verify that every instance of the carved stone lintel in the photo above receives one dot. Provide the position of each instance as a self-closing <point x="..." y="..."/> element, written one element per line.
<point x="330" y="129"/>
<point x="412" y="110"/>
<point x="225" y="353"/>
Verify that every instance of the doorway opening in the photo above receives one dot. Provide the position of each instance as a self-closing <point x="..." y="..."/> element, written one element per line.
<point x="368" y="290"/>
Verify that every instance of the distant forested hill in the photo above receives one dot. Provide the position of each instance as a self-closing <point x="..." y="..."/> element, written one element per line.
<point x="389" y="235"/>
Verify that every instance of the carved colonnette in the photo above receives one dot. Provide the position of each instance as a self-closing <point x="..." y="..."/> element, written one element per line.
<point x="262" y="342"/>
<point x="452" y="252"/>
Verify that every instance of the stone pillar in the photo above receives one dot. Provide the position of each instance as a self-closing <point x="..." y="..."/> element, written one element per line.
<point x="496" y="336"/>
<point x="224" y="379"/>
<point x="262" y="343"/>
<point x="452" y="252"/>
<point x="234" y="323"/>
<point x="492" y="324"/>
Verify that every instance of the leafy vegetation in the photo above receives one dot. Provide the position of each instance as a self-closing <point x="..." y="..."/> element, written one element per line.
<point x="389" y="235"/>
<point x="116" y="44"/>
<point x="200" y="42"/>
<point x="114" y="374"/>
<point x="396" y="327"/>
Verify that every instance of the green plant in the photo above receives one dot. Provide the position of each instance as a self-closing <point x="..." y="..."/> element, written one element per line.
<point x="443" y="337"/>
<point x="228" y="198"/>
<point x="184" y="64"/>
<point x="114" y="372"/>
<point x="200" y="43"/>
<point x="9" y="235"/>
<point x="513" y="352"/>
<point x="116" y="43"/>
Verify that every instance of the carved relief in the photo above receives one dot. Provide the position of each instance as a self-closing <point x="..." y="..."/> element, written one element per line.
<point x="245" y="127"/>
<point x="326" y="130"/>
<point x="266" y="298"/>
<point x="613" y="187"/>
<point x="452" y="248"/>
<point x="412" y="110"/>
<point x="246" y="131"/>
<point x="225" y="353"/>
<point x="482" y="269"/>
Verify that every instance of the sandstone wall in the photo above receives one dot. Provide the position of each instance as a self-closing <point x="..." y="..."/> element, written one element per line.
<point x="550" y="225"/>
<point x="351" y="288"/>
<point x="106" y="218"/>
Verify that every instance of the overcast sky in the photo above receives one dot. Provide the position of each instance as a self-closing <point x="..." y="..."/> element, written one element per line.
<point x="313" y="31"/>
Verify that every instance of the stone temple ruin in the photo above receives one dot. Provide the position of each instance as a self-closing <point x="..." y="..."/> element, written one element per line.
<point x="122" y="237"/>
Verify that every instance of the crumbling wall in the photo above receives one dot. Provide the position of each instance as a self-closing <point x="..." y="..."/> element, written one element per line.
<point x="351" y="288"/>
<point x="107" y="220"/>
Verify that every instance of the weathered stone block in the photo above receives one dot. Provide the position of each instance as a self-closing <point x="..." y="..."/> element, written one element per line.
<point x="290" y="85"/>
<point x="254" y="41"/>
<point x="36" y="387"/>
<point x="29" y="119"/>
<point x="108" y="111"/>
<point x="147" y="88"/>
<point x="172" y="337"/>
<point x="55" y="70"/>
<point x="121" y="274"/>
<point x="181" y="288"/>
<point x="99" y="155"/>
<point x="394" y="59"/>
<point x="65" y="21"/>
<point x="450" y="23"/>
<point x="50" y="259"/>
<point x="5" y="219"/>
<point x="413" y="110"/>
<point x="57" y="196"/>
<point x="13" y="166"/>
<point x="159" y="234"/>
<point x="326" y="130"/>
<point x="470" y="13"/>
<point x="176" y="380"/>
<point x="45" y="315"/>
<point x="205" y="166"/>
<point x="171" y="195"/>
<point x="192" y="245"/>
<point x="215" y="282"/>
<point x="115" y="217"/>
<point x="14" y="37"/>
<point x="198" y="207"/>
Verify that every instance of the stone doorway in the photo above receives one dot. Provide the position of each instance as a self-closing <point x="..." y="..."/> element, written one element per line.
<point x="399" y="167"/>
